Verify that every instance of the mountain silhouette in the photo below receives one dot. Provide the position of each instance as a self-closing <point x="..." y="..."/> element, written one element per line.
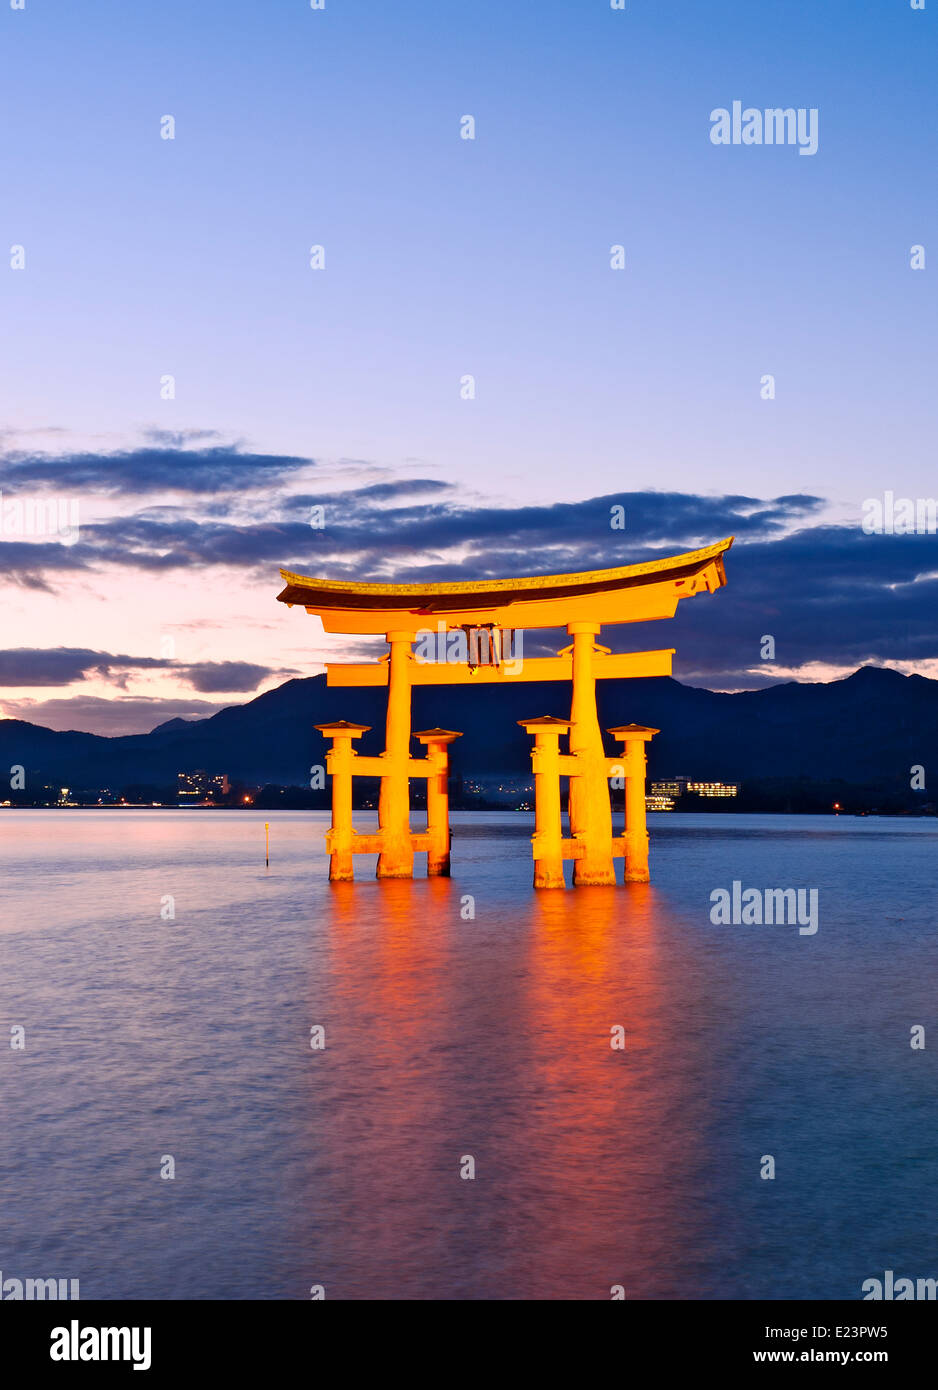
<point x="870" y="728"/>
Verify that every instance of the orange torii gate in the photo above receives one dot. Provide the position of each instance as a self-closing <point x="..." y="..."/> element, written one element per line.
<point x="486" y="612"/>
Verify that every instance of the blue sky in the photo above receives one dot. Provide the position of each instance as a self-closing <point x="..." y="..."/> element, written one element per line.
<point x="447" y="257"/>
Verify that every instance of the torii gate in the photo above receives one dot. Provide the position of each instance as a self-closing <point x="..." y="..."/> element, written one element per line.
<point x="582" y="603"/>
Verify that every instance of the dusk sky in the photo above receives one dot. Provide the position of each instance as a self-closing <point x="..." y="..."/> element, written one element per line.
<point x="132" y="259"/>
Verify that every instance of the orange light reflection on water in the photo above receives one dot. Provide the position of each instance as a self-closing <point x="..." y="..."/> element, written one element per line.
<point x="500" y="1049"/>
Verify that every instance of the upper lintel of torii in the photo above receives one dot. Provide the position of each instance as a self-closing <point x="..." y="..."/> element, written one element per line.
<point x="627" y="594"/>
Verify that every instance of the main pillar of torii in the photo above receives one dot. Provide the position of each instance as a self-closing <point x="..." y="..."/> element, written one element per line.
<point x="484" y="614"/>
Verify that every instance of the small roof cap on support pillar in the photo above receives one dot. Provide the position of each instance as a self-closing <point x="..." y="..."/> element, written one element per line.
<point x="546" y="721"/>
<point x="437" y="735"/>
<point x="342" y="726"/>
<point x="632" y="731"/>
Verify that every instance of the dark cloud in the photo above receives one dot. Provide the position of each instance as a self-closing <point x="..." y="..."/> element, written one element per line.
<point x="27" y="667"/>
<point x="34" y="564"/>
<point x="364" y="539"/>
<point x="540" y="535"/>
<point x="209" y="677"/>
<point x="34" y="666"/>
<point x="827" y="594"/>
<point x="161" y="467"/>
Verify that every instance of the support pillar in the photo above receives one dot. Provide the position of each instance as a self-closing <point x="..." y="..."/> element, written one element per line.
<point x="589" y="805"/>
<point x="340" y="759"/>
<point x="396" y="859"/>
<point x="436" y="742"/>
<point x="547" y="839"/>
<point x="634" y="737"/>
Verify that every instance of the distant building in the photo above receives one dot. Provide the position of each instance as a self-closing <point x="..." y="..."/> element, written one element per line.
<point x="677" y="786"/>
<point x="671" y="788"/>
<point x="658" y="802"/>
<point x="197" y="788"/>
<point x="713" y="788"/>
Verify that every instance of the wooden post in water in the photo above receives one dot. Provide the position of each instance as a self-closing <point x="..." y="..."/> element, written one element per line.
<point x="339" y="760"/>
<point x="396" y="859"/>
<point x="634" y="738"/>
<point x="436" y="741"/>
<point x="547" y="840"/>
<point x="589" y="807"/>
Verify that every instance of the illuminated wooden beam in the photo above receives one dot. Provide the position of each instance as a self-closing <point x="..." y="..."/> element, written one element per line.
<point x="615" y="666"/>
<point x="637" y="593"/>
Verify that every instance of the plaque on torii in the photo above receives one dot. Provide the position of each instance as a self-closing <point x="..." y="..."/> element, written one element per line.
<point x="486" y="612"/>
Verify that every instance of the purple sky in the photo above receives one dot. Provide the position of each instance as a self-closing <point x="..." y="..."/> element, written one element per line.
<point x="144" y="259"/>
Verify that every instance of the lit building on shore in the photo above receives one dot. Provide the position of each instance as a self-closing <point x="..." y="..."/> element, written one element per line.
<point x="676" y="787"/>
<point x="713" y="788"/>
<point x="198" y="788"/>
<point x="671" y="788"/>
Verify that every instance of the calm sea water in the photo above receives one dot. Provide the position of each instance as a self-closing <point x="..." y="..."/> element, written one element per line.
<point x="449" y="1036"/>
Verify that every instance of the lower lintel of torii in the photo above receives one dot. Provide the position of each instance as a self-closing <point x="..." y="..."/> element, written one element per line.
<point x="621" y="665"/>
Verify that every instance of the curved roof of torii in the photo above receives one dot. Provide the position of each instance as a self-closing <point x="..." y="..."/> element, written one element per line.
<point x="625" y="594"/>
